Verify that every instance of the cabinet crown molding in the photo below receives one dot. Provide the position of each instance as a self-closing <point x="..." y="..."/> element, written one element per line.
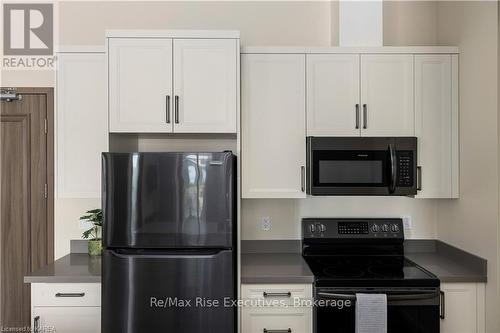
<point x="231" y="34"/>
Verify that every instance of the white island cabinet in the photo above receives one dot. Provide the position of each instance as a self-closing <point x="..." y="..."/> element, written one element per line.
<point x="173" y="81"/>
<point x="66" y="307"/>
<point x="462" y="307"/>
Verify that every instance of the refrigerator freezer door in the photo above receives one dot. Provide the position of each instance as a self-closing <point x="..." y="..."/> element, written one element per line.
<point x="168" y="200"/>
<point x="149" y="291"/>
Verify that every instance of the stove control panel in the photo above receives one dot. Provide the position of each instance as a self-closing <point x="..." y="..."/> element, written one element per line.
<point x="337" y="228"/>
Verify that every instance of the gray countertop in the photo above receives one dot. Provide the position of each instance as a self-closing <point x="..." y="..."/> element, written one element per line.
<point x="280" y="261"/>
<point x="72" y="268"/>
<point x="275" y="268"/>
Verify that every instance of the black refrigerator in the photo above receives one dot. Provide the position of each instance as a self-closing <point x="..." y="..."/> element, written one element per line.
<point x="169" y="261"/>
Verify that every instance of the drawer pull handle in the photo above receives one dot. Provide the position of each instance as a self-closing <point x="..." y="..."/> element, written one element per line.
<point x="70" y="294"/>
<point x="265" y="330"/>
<point x="287" y="294"/>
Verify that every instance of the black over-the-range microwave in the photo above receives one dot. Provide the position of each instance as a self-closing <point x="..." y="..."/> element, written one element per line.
<point x="362" y="166"/>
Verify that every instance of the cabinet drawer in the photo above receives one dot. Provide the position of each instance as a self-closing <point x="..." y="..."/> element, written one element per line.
<point x="293" y="320"/>
<point x="66" y="294"/>
<point x="67" y="319"/>
<point x="282" y="292"/>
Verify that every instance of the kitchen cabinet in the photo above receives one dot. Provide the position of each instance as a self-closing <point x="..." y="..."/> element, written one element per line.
<point x="81" y="133"/>
<point x="140" y="85"/>
<point x="270" y="316"/>
<point x="173" y="85"/>
<point x="333" y="87"/>
<point x="273" y="125"/>
<point x="387" y="95"/>
<point x="436" y="124"/>
<point x="66" y="307"/>
<point x="464" y="308"/>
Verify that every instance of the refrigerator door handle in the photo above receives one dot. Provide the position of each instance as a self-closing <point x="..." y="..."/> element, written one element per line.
<point x="165" y="254"/>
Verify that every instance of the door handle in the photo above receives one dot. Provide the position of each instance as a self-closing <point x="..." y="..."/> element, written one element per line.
<point x="394" y="167"/>
<point x="302" y="178"/>
<point x="167" y="108"/>
<point x="419" y="178"/>
<point x="288" y="330"/>
<point x="402" y="297"/>
<point x="280" y="294"/>
<point x="70" y="294"/>
<point x="357" y="116"/>
<point x="365" y="116"/>
<point x="176" y="109"/>
<point x="442" y="305"/>
<point x="36" y="324"/>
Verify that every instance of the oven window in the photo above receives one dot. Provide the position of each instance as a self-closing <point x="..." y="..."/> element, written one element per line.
<point x="350" y="172"/>
<point x="350" y="168"/>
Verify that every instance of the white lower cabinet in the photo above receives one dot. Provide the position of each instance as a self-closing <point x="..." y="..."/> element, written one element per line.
<point x="66" y="307"/>
<point x="462" y="308"/>
<point x="274" y="308"/>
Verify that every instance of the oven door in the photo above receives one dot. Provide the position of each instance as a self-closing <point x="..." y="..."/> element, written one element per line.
<point x="361" y="166"/>
<point x="412" y="310"/>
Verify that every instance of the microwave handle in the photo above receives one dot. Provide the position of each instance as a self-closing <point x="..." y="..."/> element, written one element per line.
<point x="394" y="169"/>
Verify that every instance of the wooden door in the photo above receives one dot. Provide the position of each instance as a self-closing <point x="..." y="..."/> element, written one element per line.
<point x="140" y="85"/>
<point x="273" y="142"/>
<point x="26" y="230"/>
<point x="205" y="85"/>
<point x="387" y="95"/>
<point x="333" y="95"/>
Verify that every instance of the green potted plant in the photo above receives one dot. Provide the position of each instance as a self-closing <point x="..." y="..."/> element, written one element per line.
<point x="93" y="235"/>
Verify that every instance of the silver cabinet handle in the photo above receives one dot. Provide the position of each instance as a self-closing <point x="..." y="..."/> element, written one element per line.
<point x="419" y="178"/>
<point x="365" y="116"/>
<point x="36" y="324"/>
<point x="357" y="116"/>
<point x="302" y="178"/>
<point x="442" y="309"/>
<point x="176" y="109"/>
<point x="288" y="330"/>
<point x="70" y="294"/>
<point x="285" y="294"/>
<point x="167" y="108"/>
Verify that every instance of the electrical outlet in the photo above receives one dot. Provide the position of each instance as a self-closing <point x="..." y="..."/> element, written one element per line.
<point x="407" y="223"/>
<point x="266" y="223"/>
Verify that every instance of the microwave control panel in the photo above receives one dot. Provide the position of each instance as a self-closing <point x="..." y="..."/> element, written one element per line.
<point x="405" y="168"/>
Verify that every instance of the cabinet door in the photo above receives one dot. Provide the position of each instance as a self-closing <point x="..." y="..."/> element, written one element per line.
<point x="333" y="95"/>
<point x="205" y="85"/>
<point x="460" y="310"/>
<point x="387" y="95"/>
<point x="273" y="125"/>
<point x="82" y="124"/>
<point x="433" y="124"/>
<point x="67" y="319"/>
<point x="140" y="84"/>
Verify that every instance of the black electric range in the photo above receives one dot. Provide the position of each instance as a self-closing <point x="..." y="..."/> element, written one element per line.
<point x="350" y="256"/>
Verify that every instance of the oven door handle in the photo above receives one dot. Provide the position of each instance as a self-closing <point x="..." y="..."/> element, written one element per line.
<point x="400" y="298"/>
<point x="394" y="167"/>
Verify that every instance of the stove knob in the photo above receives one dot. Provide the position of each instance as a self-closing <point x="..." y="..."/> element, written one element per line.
<point x="312" y="228"/>
<point x="322" y="228"/>
<point x="385" y="228"/>
<point x="375" y="228"/>
<point x="394" y="228"/>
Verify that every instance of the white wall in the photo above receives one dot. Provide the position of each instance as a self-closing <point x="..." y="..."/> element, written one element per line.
<point x="471" y="222"/>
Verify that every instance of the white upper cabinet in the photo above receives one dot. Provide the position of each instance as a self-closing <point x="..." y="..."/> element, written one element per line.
<point x="159" y="84"/>
<point x="435" y="113"/>
<point x="273" y="125"/>
<point x="140" y="84"/>
<point x="205" y="85"/>
<point x="387" y="95"/>
<point x="81" y="124"/>
<point x="333" y="95"/>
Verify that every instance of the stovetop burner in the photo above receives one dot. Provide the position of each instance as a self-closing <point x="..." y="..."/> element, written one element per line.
<point x="345" y="256"/>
